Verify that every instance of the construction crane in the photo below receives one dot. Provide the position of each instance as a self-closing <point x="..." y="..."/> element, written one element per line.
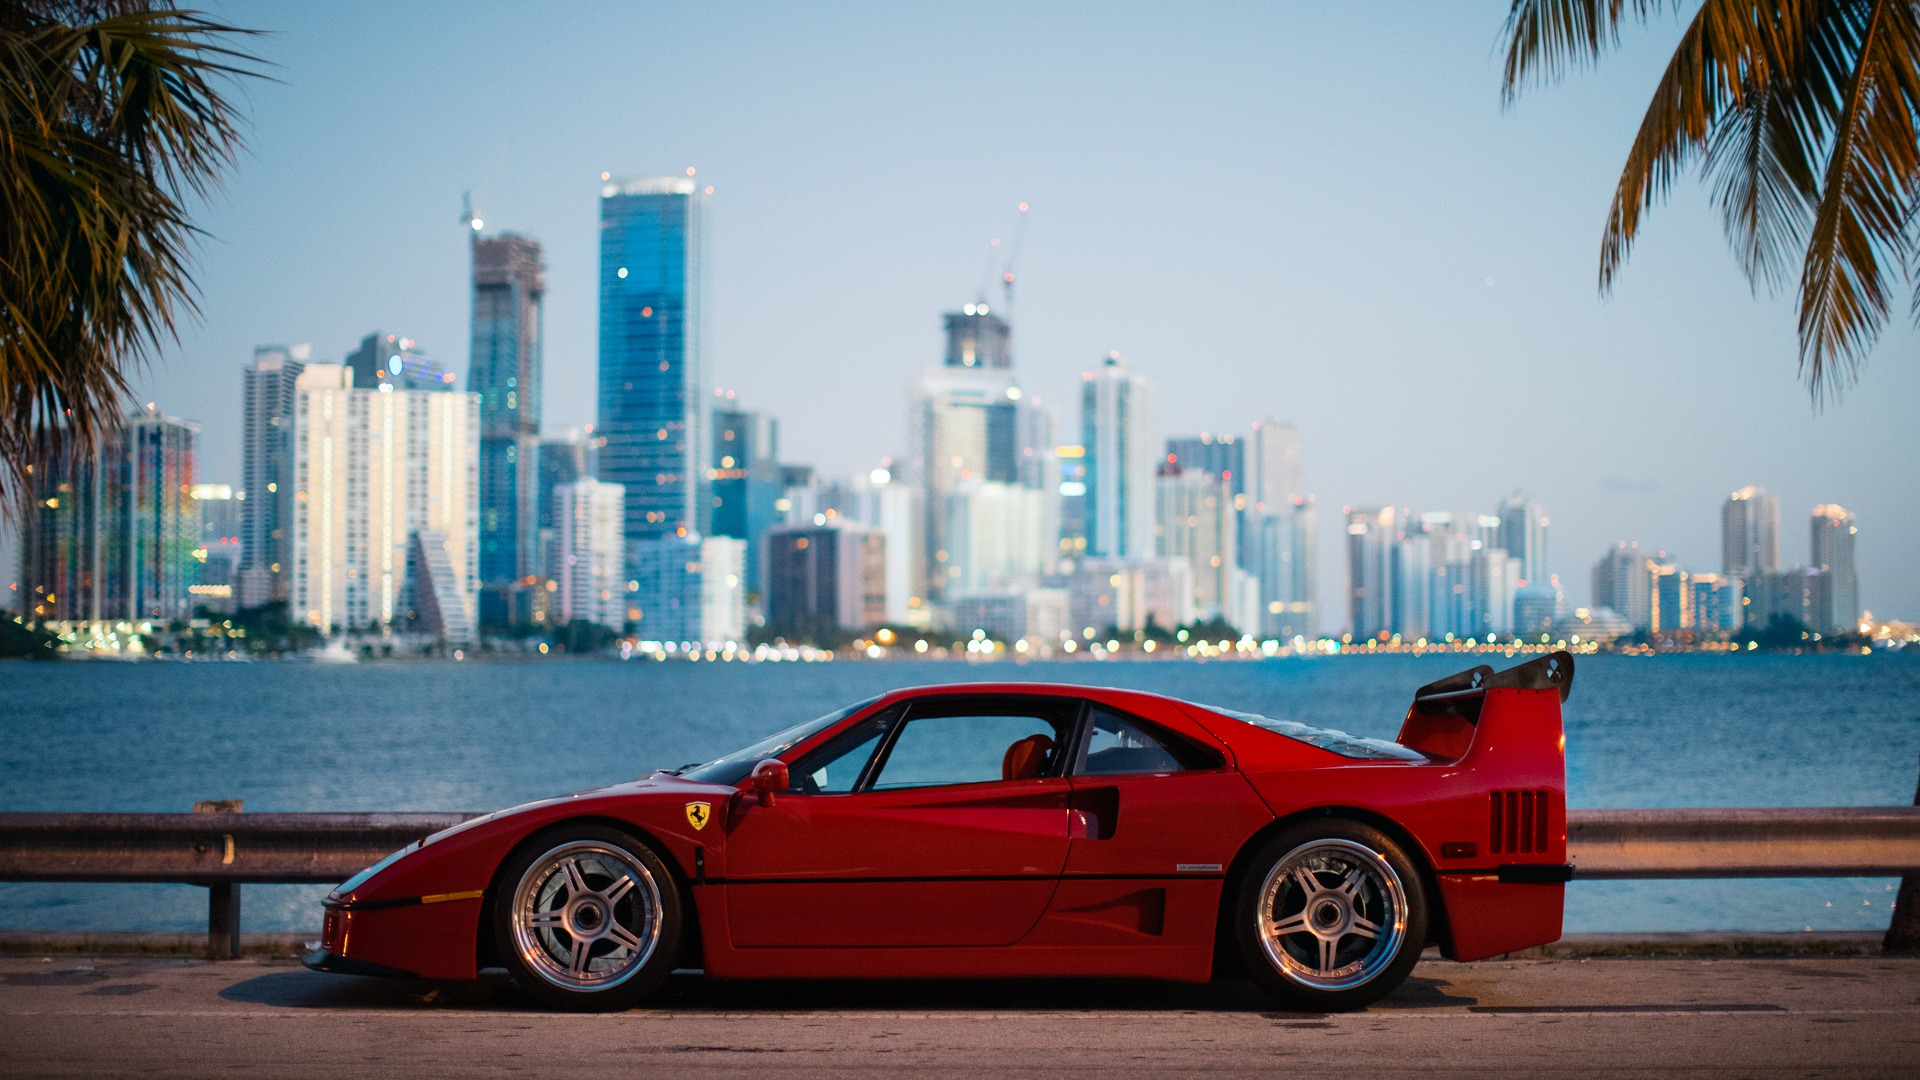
<point x="1005" y="266"/>
<point x="1013" y="253"/>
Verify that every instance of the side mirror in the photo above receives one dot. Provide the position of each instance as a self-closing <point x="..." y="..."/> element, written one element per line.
<point x="769" y="778"/>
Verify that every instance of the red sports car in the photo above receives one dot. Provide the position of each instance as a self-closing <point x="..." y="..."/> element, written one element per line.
<point x="1012" y="829"/>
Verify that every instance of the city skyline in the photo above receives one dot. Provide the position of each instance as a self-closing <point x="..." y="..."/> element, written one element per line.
<point x="1595" y="408"/>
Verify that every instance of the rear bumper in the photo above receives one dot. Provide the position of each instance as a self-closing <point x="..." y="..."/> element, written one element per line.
<point x="1535" y="874"/>
<point x="322" y="960"/>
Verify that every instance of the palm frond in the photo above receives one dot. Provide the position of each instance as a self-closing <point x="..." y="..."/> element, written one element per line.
<point x="111" y="114"/>
<point x="1867" y="203"/>
<point x="1547" y="38"/>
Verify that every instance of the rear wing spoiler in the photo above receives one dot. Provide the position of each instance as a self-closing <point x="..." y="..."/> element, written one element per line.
<point x="1446" y="712"/>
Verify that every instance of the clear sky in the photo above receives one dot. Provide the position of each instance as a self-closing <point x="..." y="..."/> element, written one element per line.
<point x="1306" y="210"/>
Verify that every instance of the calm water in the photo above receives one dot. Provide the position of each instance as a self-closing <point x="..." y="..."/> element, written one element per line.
<point x="1663" y="731"/>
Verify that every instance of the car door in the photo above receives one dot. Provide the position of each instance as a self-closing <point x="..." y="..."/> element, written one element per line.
<point x="1156" y="817"/>
<point x="940" y="823"/>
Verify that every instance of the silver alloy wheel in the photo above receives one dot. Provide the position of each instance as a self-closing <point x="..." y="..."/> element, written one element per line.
<point x="586" y="915"/>
<point x="1332" y="914"/>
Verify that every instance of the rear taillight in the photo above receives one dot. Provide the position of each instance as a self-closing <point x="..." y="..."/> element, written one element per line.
<point x="1517" y="822"/>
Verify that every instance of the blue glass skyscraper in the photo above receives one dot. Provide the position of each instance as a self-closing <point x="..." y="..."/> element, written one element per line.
<point x="652" y="410"/>
<point x="508" y="291"/>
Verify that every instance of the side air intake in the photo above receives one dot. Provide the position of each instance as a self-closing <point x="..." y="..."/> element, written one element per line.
<point x="1517" y="822"/>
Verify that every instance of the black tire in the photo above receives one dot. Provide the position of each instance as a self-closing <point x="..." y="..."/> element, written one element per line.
<point x="1357" y="930"/>
<point x="587" y="918"/>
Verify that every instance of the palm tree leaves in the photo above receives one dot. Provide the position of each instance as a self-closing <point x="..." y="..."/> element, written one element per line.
<point x="111" y="114"/>
<point x="1869" y="187"/>
<point x="1801" y="117"/>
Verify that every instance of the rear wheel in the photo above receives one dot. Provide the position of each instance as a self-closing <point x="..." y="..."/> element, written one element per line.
<point x="1331" y="915"/>
<point x="587" y="917"/>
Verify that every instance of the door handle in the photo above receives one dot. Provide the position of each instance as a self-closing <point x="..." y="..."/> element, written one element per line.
<point x="1093" y="813"/>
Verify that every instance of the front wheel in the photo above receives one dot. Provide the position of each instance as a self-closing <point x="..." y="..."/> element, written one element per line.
<point x="587" y="918"/>
<point x="1331" y="915"/>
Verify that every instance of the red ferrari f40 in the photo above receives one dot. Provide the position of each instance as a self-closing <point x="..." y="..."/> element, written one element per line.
<point x="1012" y="829"/>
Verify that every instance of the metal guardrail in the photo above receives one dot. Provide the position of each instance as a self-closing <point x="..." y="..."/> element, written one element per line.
<point x="1820" y="841"/>
<point x="220" y="848"/>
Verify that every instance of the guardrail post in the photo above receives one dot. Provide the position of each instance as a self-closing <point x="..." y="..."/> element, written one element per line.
<point x="223" y="921"/>
<point x="1903" y="932"/>
<point x="223" y="897"/>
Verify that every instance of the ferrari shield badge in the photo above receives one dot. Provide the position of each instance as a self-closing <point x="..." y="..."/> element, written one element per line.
<point x="698" y="813"/>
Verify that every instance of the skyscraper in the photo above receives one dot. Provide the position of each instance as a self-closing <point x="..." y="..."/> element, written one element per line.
<point x="652" y="405"/>
<point x="505" y="372"/>
<point x="976" y="338"/>
<point x="1273" y="478"/>
<point x="112" y="534"/>
<point x="1221" y="456"/>
<point x="1117" y="434"/>
<point x="825" y="581"/>
<point x="1523" y="533"/>
<point x="390" y="359"/>
<point x="219" y="551"/>
<point x="1830" y="551"/>
<point x="1623" y="584"/>
<point x="1284" y="542"/>
<point x="747" y="484"/>
<point x="370" y="469"/>
<point x="971" y="425"/>
<point x="1372" y="533"/>
<point x="266" y="473"/>
<point x="589" y="553"/>
<point x="1195" y="522"/>
<point x="1749" y="533"/>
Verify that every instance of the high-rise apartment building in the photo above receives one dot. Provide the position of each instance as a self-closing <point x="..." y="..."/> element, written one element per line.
<point x="266" y="473"/>
<point x="371" y="467"/>
<point x="1372" y="533"/>
<point x="691" y="590"/>
<point x="971" y="425"/>
<point x="111" y="535"/>
<point x="1830" y="551"/>
<point x="1221" y="456"/>
<point x="589" y="554"/>
<point x="1117" y="436"/>
<point x="385" y="359"/>
<point x="998" y="535"/>
<point x="1273" y="477"/>
<point x="824" y="581"/>
<point x="1523" y="533"/>
<point x="895" y="508"/>
<point x="977" y="338"/>
<point x="747" y="485"/>
<point x="1196" y="522"/>
<point x="220" y="509"/>
<point x="1670" y="595"/>
<point x="505" y="370"/>
<point x="1623" y="584"/>
<point x="653" y="407"/>
<point x="1749" y="533"/>
<point x="1284" y="544"/>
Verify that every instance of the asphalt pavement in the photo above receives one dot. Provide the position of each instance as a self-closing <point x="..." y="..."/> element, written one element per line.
<point x="66" y="1016"/>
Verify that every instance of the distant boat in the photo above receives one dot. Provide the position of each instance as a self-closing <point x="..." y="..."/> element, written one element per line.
<point x="335" y="652"/>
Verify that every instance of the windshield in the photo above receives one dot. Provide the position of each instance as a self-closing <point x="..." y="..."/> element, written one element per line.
<point x="1353" y="746"/>
<point x="735" y="766"/>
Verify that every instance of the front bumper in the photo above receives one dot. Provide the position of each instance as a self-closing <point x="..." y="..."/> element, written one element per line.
<point x="322" y="960"/>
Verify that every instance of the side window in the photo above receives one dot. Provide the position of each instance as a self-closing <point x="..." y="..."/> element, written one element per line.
<point x="1118" y="745"/>
<point x="835" y="768"/>
<point x="958" y="745"/>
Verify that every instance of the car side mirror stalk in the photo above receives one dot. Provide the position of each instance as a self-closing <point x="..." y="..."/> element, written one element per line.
<point x="769" y="778"/>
